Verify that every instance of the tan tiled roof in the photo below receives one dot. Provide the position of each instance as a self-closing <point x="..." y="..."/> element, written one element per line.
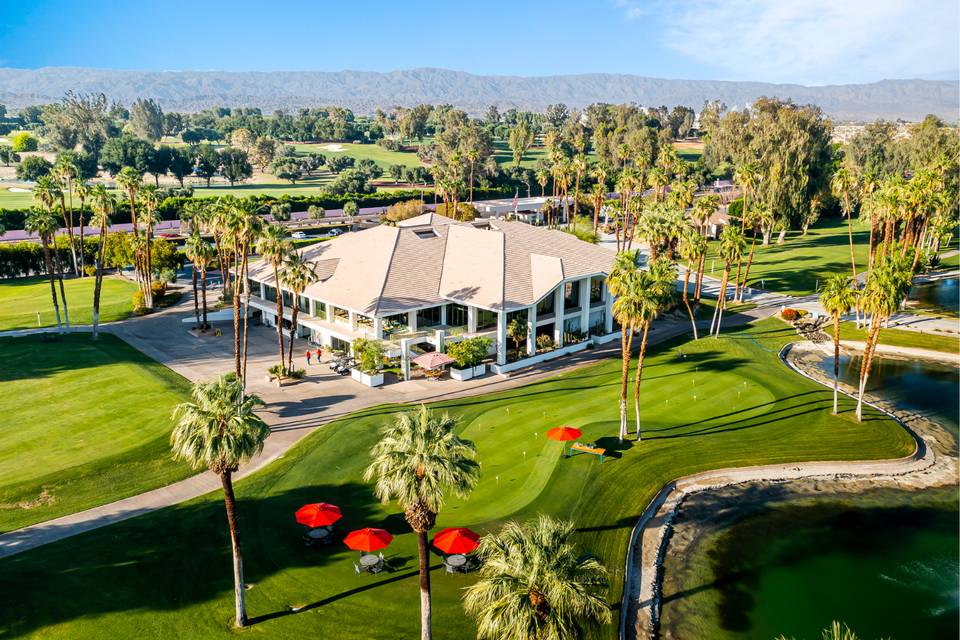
<point x="386" y="269"/>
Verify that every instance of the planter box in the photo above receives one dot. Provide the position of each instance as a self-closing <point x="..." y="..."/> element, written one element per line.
<point x="461" y="374"/>
<point x="375" y="380"/>
<point x="479" y="370"/>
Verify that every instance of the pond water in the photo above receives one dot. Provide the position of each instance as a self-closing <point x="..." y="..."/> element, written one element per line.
<point x="889" y="570"/>
<point x="941" y="294"/>
<point x="931" y="389"/>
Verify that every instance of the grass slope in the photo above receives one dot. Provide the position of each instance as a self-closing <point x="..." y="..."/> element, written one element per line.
<point x="706" y="404"/>
<point x="21" y="299"/>
<point x="84" y="423"/>
<point x="903" y="338"/>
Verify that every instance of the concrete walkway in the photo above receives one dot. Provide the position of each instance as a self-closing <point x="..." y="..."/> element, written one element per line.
<point x="293" y="411"/>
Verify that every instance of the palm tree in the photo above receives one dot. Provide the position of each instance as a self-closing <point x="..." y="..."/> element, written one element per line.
<point x="130" y="180"/>
<point x="599" y="192"/>
<point x="692" y="248"/>
<point x="104" y="205"/>
<point x="534" y="584"/>
<point x="245" y="226"/>
<point x="543" y="176"/>
<point x="47" y="192"/>
<point x="747" y="176"/>
<point x="44" y="224"/>
<point x="844" y="187"/>
<point x="200" y="253"/>
<point x="837" y="297"/>
<point x="274" y="246"/>
<point x="758" y="217"/>
<point x="150" y="199"/>
<point x="296" y="274"/>
<point x="731" y="248"/>
<point x="417" y="461"/>
<point x="884" y="293"/>
<point x="218" y="431"/>
<point x="83" y="191"/>
<point x="654" y="288"/>
<point x="622" y="283"/>
<point x="66" y="171"/>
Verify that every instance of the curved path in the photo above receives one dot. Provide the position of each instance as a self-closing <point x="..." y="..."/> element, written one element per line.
<point x="641" y="598"/>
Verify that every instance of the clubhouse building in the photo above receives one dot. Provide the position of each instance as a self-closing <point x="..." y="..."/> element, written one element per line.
<point x="431" y="280"/>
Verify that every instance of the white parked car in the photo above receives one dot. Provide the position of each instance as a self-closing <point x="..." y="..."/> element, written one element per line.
<point x="335" y="232"/>
<point x="298" y="235"/>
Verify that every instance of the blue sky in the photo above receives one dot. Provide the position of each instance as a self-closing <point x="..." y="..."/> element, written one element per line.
<point x="805" y="41"/>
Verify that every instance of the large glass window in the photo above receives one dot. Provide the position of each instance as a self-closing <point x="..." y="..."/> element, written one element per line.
<point x="428" y="317"/>
<point x="336" y="344"/>
<point x="571" y="295"/>
<point x="456" y="315"/>
<point x="596" y="289"/>
<point x="545" y="306"/>
<point x="396" y="323"/>
<point x="287" y="299"/>
<point x="364" y="321"/>
<point x="486" y="320"/>
<point x="341" y="315"/>
<point x="304" y="303"/>
<point x="271" y="293"/>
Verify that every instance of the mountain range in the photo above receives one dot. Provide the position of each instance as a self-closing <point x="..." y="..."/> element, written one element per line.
<point x="365" y="91"/>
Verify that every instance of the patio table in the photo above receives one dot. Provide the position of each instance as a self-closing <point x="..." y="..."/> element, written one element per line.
<point x="457" y="560"/>
<point x="318" y="533"/>
<point x="368" y="561"/>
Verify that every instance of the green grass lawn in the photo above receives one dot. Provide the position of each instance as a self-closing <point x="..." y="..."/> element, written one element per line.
<point x="22" y="298"/>
<point x="903" y="338"/>
<point x="382" y="156"/>
<point x="84" y="423"/>
<point x="801" y="262"/>
<point x="706" y="404"/>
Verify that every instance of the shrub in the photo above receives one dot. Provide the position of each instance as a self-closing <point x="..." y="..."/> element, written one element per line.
<point x="350" y="209"/>
<point x="23" y="141"/>
<point x="316" y="212"/>
<point x="139" y="303"/>
<point x="789" y="315"/>
<point x="90" y="270"/>
<point x="464" y="212"/>
<point x="402" y="211"/>
<point x="159" y="289"/>
<point x="470" y="352"/>
<point x="32" y="168"/>
<point x="280" y="211"/>
<point x="369" y="355"/>
<point x="544" y="342"/>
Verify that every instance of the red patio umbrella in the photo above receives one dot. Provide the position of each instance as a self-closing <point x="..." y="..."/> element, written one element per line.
<point x="564" y="433"/>
<point x="432" y="360"/>
<point x="456" y="540"/>
<point x="318" y="514"/>
<point x="367" y="539"/>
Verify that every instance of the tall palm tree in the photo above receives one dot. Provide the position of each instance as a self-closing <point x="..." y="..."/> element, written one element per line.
<point x="758" y="217"/>
<point x="219" y="431"/>
<point x="747" y="176"/>
<point x="418" y="460"/>
<point x="884" y="293"/>
<point x="844" y="187"/>
<point x="579" y="166"/>
<point x="47" y="192"/>
<point x="150" y="199"/>
<point x="296" y="274"/>
<point x="837" y="297"/>
<point x="104" y="205"/>
<point x="274" y="246"/>
<point x="731" y="248"/>
<point x="622" y="283"/>
<point x="692" y="248"/>
<point x="654" y="288"/>
<point x="66" y="171"/>
<point x="543" y="177"/>
<point x="534" y="584"/>
<point x="44" y="223"/>
<point x="200" y="253"/>
<point x="599" y="193"/>
<point x="83" y="191"/>
<point x="130" y="181"/>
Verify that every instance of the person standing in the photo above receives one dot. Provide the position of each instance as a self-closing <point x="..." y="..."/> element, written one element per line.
<point x="308" y="357"/>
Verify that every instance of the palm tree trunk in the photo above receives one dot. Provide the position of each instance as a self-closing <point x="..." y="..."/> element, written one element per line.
<point x="81" y="274"/>
<point x="98" y="281"/>
<point x="426" y="629"/>
<point x="626" y="340"/>
<point x="148" y="293"/>
<point x="873" y="229"/>
<point x="63" y="294"/>
<point x="50" y="275"/>
<point x="853" y="259"/>
<point x="686" y="301"/>
<point x="245" y="270"/>
<point x="276" y="281"/>
<point x="236" y="328"/>
<point x="238" y="587"/>
<point x="68" y="223"/>
<point x="865" y="363"/>
<point x="293" y="329"/>
<point x="701" y="267"/>
<point x="746" y="273"/>
<point x="639" y="374"/>
<point x="836" y="360"/>
<point x="596" y="213"/>
<point x="203" y="295"/>
<point x="196" y="295"/>
<point x="721" y="302"/>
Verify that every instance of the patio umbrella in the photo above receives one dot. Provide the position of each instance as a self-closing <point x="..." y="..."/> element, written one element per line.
<point x="456" y="540"/>
<point x="318" y="514"/>
<point x="367" y="539"/>
<point x="433" y="360"/>
<point x="564" y="433"/>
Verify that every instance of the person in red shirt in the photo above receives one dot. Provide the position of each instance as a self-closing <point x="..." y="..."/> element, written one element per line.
<point x="308" y="357"/>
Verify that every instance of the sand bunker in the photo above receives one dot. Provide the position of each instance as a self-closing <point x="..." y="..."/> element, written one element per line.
<point x="332" y="147"/>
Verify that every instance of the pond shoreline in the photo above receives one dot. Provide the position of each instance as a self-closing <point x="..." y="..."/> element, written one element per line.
<point x="933" y="464"/>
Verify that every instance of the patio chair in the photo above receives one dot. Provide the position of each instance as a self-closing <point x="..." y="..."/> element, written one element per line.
<point x="356" y="568"/>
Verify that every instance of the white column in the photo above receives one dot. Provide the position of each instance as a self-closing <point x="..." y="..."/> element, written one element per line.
<point x="263" y="291"/>
<point x="443" y="314"/>
<point x="608" y="310"/>
<point x="404" y="359"/>
<point x="439" y="336"/>
<point x="352" y="319"/>
<point x="471" y="319"/>
<point x="532" y="330"/>
<point x="585" y="306"/>
<point x="412" y="321"/>
<point x="378" y="327"/>
<point x="558" y="317"/>
<point x="501" y="337"/>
